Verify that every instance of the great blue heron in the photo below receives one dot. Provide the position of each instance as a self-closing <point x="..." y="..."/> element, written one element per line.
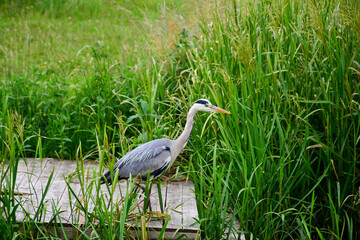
<point x="158" y="155"/>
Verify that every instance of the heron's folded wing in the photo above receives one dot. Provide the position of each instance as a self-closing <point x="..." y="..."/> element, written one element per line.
<point x="154" y="155"/>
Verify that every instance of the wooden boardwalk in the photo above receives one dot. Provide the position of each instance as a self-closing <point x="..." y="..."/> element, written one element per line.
<point x="33" y="177"/>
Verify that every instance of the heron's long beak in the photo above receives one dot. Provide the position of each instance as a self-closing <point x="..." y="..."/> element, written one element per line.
<point x="217" y="109"/>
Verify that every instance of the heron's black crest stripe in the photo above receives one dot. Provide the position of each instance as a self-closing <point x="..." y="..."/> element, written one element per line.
<point x="202" y="101"/>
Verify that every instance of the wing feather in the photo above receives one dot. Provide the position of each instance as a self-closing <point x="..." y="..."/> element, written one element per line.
<point x="154" y="155"/>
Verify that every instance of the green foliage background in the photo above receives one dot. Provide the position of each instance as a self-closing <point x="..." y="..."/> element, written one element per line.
<point x="285" y="164"/>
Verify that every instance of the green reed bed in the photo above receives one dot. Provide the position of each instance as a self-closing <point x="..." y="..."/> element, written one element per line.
<point x="289" y="72"/>
<point x="284" y="165"/>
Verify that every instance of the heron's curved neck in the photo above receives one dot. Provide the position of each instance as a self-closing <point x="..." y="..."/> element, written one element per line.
<point x="184" y="137"/>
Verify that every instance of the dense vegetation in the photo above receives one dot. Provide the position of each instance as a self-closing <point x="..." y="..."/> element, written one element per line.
<point x="285" y="164"/>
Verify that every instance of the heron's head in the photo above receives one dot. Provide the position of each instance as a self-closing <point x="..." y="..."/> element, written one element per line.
<point x="205" y="105"/>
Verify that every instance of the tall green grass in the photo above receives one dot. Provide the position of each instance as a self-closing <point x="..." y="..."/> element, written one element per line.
<point x="289" y="71"/>
<point x="284" y="164"/>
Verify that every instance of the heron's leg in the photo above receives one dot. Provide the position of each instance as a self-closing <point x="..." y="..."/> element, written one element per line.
<point x="138" y="185"/>
<point x="149" y="195"/>
<point x="110" y="201"/>
<point x="146" y="194"/>
<point x="110" y="197"/>
<point x="161" y="203"/>
<point x="165" y="197"/>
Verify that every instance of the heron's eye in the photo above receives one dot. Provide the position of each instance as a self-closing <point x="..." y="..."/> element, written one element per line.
<point x="207" y="105"/>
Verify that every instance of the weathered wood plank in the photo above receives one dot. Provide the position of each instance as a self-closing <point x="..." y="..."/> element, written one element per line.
<point x="69" y="201"/>
<point x="56" y="190"/>
<point x="190" y="208"/>
<point x="174" y="204"/>
<point x="23" y="167"/>
<point x="179" y="201"/>
<point x="31" y="184"/>
<point x="52" y="167"/>
<point x="31" y="175"/>
<point x="155" y="204"/>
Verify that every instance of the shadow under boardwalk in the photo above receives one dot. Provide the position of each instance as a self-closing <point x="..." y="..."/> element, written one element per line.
<point x="33" y="177"/>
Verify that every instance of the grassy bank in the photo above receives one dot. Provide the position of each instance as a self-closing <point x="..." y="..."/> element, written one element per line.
<point x="285" y="163"/>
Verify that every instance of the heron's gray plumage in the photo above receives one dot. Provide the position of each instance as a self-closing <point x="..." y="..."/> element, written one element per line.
<point x="158" y="155"/>
<point x="151" y="155"/>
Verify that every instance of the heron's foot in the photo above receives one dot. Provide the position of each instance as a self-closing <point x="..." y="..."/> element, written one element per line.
<point x="166" y="179"/>
<point x="183" y="179"/>
<point x="141" y="187"/>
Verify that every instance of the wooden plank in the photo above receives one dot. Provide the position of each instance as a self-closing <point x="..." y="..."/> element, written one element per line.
<point x="190" y="208"/>
<point x="88" y="199"/>
<point x="56" y="186"/>
<point x="174" y="204"/>
<point x="52" y="167"/>
<point x="31" y="174"/>
<point x="154" y="198"/>
<point x="155" y="202"/>
<point x="23" y="169"/>
<point x="179" y="198"/>
<point x="23" y="184"/>
<point x="68" y="201"/>
<point x="59" y="185"/>
<point x="30" y="183"/>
